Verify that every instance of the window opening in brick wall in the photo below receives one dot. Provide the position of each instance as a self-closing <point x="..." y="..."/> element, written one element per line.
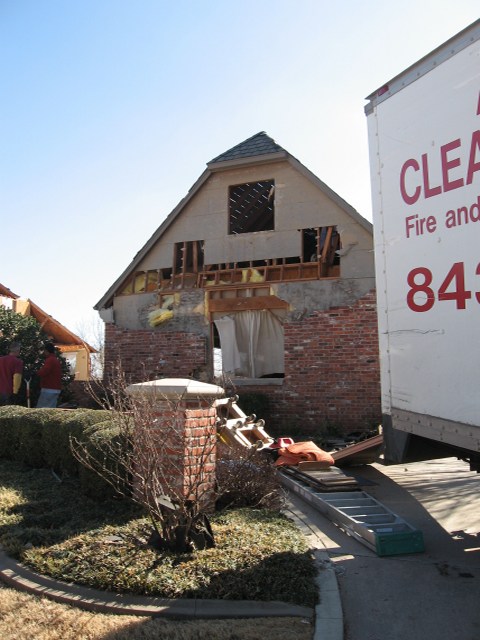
<point x="251" y="207"/>
<point x="249" y="344"/>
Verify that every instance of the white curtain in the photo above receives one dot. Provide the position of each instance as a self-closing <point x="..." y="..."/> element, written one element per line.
<point x="228" y="342"/>
<point x="252" y="343"/>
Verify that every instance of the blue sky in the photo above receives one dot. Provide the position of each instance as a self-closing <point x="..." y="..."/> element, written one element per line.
<point x="110" y="110"/>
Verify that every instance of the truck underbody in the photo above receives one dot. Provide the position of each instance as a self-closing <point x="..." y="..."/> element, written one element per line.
<point x="402" y="444"/>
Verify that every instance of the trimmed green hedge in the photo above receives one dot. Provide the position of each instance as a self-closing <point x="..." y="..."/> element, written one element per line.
<point x="40" y="438"/>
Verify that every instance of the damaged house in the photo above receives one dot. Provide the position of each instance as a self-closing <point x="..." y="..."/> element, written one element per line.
<point x="263" y="278"/>
<point x="75" y="350"/>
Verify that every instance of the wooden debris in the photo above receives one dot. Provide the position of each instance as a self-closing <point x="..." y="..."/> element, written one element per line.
<point x="235" y="427"/>
<point x="363" y="452"/>
<point x="326" y="481"/>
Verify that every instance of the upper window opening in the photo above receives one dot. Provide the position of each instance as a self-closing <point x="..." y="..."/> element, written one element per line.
<point x="251" y="207"/>
<point x="188" y="256"/>
<point x="321" y="244"/>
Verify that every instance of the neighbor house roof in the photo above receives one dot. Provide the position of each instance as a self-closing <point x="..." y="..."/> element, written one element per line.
<point x="258" y="149"/>
<point x="7" y="293"/>
<point x="59" y="333"/>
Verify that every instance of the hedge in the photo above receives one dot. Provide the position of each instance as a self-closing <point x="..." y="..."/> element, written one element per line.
<point x="40" y="438"/>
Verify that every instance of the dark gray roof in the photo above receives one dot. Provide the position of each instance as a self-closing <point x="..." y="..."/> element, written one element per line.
<point x="258" y="145"/>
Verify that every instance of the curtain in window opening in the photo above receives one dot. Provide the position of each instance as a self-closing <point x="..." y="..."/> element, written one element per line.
<point x="228" y="342"/>
<point x="256" y="346"/>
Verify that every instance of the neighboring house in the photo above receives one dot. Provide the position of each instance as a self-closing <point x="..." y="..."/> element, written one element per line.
<point x="262" y="271"/>
<point x="75" y="350"/>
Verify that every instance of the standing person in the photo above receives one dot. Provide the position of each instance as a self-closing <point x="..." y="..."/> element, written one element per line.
<point x="50" y="379"/>
<point x="11" y="368"/>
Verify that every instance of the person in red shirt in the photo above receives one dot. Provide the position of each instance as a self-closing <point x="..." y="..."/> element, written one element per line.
<point x="11" y="368"/>
<point x="50" y="379"/>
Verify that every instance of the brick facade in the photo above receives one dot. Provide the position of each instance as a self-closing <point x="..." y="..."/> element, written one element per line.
<point x="332" y="375"/>
<point x="149" y="354"/>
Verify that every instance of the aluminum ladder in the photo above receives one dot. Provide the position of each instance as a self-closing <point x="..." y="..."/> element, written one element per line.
<point x="361" y="516"/>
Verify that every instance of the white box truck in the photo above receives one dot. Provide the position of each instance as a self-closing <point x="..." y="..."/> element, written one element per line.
<point x="424" y="141"/>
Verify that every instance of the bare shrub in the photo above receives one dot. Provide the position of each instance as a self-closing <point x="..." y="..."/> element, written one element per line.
<point x="174" y="492"/>
<point x="246" y="477"/>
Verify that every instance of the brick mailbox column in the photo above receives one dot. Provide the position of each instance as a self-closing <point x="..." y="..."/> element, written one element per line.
<point x="180" y="437"/>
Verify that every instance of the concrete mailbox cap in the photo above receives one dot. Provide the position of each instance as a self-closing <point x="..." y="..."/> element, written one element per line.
<point x="174" y="388"/>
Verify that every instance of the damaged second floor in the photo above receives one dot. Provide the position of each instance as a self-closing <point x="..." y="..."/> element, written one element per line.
<point x="255" y="220"/>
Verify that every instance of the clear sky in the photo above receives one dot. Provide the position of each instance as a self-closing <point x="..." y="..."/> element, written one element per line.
<point x="110" y="110"/>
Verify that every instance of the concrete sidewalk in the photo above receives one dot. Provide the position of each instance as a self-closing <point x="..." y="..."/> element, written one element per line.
<point x="328" y="613"/>
<point x="434" y="594"/>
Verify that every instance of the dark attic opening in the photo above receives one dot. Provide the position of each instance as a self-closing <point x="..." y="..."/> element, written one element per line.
<point x="251" y="207"/>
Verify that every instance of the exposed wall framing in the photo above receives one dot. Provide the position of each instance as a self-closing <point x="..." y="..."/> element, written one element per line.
<point x="319" y="259"/>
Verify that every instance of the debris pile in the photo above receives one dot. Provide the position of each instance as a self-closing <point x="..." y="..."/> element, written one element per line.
<point x="235" y="427"/>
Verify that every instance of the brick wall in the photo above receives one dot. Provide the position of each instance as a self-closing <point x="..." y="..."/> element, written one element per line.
<point x="332" y="375"/>
<point x="182" y="440"/>
<point x="147" y="355"/>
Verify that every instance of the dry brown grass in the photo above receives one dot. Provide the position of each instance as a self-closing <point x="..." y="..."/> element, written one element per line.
<point x="27" y="617"/>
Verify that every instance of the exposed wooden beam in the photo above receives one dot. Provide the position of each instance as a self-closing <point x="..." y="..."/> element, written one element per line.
<point x="246" y="304"/>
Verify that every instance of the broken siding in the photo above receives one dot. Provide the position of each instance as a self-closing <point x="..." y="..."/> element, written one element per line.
<point x="131" y="312"/>
<point x="262" y="245"/>
<point x="357" y="260"/>
<point x="299" y="204"/>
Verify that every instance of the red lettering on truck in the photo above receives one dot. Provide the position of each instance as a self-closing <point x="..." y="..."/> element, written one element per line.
<point x="419" y="180"/>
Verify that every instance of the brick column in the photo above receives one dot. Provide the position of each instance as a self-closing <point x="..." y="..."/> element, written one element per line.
<point x="181" y="439"/>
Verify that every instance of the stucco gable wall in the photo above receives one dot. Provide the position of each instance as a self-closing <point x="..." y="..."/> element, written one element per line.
<point x="298" y="204"/>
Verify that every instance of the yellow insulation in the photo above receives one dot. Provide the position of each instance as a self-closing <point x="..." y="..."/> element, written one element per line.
<point x="158" y="316"/>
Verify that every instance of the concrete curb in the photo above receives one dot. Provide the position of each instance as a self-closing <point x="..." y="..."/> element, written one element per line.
<point x="16" y="575"/>
<point x="328" y="613"/>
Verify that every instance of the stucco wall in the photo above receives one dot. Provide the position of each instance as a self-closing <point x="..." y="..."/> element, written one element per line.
<point x="299" y="204"/>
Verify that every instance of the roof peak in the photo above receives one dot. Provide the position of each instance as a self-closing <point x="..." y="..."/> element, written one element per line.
<point x="257" y="145"/>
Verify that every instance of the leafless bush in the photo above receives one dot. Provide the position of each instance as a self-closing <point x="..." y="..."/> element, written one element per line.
<point x="246" y="477"/>
<point x="174" y="492"/>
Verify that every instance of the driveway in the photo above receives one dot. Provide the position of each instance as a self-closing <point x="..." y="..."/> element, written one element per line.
<point x="433" y="595"/>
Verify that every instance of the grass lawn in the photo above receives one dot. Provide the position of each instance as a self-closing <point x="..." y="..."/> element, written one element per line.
<point x="25" y="616"/>
<point x="50" y="526"/>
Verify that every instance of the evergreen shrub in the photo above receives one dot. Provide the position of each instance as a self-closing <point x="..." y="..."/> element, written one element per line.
<point x="40" y="438"/>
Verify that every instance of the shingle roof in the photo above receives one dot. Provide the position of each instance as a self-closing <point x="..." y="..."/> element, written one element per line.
<point x="258" y="145"/>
